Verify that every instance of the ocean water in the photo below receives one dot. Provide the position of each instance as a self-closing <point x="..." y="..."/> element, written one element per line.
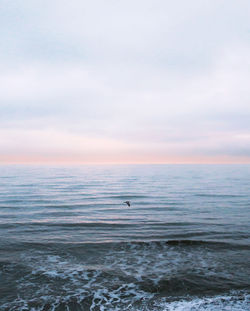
<point x="67" y="241"/>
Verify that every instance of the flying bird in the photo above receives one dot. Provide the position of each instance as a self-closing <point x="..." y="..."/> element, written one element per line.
<point x="127" y="202"/>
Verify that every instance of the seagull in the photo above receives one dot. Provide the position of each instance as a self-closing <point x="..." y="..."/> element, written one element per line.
<point x="127" y="202"/>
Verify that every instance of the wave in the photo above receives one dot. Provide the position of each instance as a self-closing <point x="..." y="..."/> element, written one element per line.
<point x="235" y="301"/>
<point x="125" y="197"/>
<point x="96" y="224"/>
<point x="102" y="300"/>
<point x="55" y="283"/>
<point x="109" y="242"/>
<point x="219" y="195"/>
<point x="112" y="276"/>
<point x="182" y="243"/>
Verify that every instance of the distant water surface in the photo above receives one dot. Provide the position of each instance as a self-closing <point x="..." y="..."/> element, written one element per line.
<point x="67" y="241"/>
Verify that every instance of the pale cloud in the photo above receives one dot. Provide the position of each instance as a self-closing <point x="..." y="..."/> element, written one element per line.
<point x="143" y="79"/>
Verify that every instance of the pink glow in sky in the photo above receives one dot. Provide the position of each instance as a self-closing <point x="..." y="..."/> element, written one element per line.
<point x="125" y="82"/>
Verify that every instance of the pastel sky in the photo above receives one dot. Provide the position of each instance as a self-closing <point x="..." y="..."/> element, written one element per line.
<point x="135" y="81"/>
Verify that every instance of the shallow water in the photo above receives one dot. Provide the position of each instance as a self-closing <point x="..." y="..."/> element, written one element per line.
<point x="67" y="242"/>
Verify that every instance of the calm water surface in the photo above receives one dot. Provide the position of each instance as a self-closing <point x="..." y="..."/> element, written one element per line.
<point x="67" y="241"/>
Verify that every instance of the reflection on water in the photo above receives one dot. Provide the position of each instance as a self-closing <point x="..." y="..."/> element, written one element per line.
<point x="68" y="242"/>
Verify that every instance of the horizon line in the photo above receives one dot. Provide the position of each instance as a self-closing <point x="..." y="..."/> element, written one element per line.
<point x="59" y="163"/>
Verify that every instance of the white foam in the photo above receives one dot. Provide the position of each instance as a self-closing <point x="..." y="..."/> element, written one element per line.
<point x="235" y="302"/>
<point x="116" y="281"/>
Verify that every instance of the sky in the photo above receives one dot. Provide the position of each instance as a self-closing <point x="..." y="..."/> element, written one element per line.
<point x="135" y="81"/>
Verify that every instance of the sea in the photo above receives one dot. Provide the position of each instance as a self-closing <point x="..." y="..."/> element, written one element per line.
<point x="68" y="242"/>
